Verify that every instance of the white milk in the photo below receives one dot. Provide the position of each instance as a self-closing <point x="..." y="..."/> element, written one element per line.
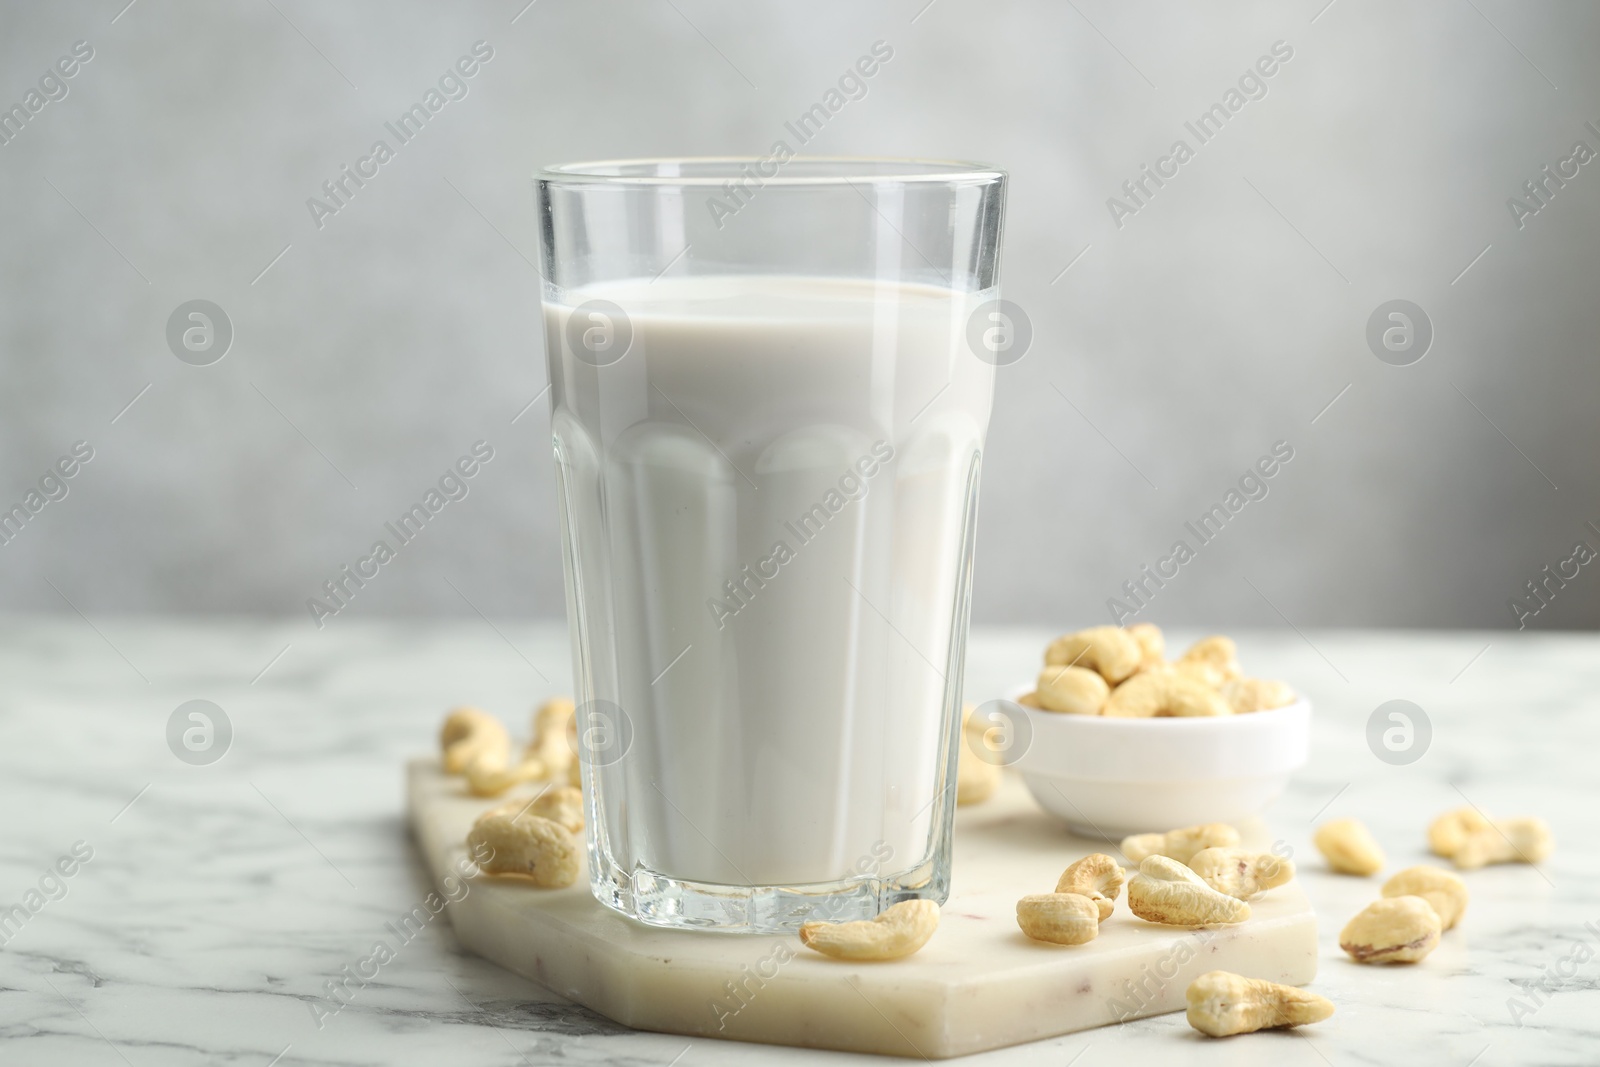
<point x="774" y="483"/>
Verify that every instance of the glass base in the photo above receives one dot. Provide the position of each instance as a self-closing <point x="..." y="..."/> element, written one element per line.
<point x="658" y="900"/>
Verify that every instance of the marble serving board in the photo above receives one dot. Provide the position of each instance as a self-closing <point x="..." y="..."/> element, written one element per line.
<point x="979" y="984"/>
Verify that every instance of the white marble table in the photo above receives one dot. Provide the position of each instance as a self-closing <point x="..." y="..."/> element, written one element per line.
<point x="219" y="899"/>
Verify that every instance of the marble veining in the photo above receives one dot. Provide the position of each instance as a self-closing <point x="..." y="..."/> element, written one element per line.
<point x="219" y="899"/>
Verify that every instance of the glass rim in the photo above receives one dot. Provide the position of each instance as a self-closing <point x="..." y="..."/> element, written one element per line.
<point x="813" y="170"/>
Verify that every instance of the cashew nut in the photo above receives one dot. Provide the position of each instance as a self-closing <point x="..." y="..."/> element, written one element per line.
<point x="1240" y="873"/>
<point x="1246" y="695"/>
<point x="1349" y="847"/>
<point x="562" y="805"/>
<point x="1165" y="891"/>
<point x="469" y="733"/>
<point x="1073" y="690"/>
<point x="1107" y="649"/>
<point x="525" y="844"/>
<point x="488" y="775"/>
<point x="554" y="728"/>
<point x="1521" y="840"/>
<point x="1218" y="651"/>
<point x="1182" y="844"/>
<point x="897" y="932"/>
<point x="1450" y="831"/>
<point x="1152" y="646"/>
<point x="1164" y="692"/>
<point x="1221" y="1003"/>
<point x="976" y="777"/>
<point x="1030" y="700"/>
<point x="1392" y="930"/>
<point x="1059" y="918"/>
<point x="1096" y="876"/>
<point x="1445" y="893"/>
<point x="1205" y="672"/>
<point x="548" y="755"/>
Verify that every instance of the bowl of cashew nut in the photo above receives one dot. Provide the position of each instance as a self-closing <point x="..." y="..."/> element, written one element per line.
<point x="1120" y="739"/>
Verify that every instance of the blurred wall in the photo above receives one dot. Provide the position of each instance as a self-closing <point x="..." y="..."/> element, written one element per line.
<point x="1177" y="338"/>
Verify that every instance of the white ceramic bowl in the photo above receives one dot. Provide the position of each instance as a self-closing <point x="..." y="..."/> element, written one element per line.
<point x="1112" y="777"/>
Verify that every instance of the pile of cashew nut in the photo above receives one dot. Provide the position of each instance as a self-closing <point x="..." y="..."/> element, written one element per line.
<point x="1194" y="876"/>
<point x="1415" y="906"/>
<point x="1190" y="877"/>
<point x="1198" y="875"/>
<point x="1420" y="903"/>
<point x="1124" y="673"/>
<point x="533" y="839"/>
<point x="475" y="743"/>
<point x="1084" y="898"/>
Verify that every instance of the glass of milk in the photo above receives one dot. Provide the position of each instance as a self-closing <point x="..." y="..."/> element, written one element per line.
<point x="770" y="385"/>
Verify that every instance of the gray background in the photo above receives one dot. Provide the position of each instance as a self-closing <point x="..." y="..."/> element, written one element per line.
<point x="1223" y="317"/>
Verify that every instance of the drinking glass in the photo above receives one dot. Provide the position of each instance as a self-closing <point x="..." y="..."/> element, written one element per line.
<point x="770" y="383"/>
